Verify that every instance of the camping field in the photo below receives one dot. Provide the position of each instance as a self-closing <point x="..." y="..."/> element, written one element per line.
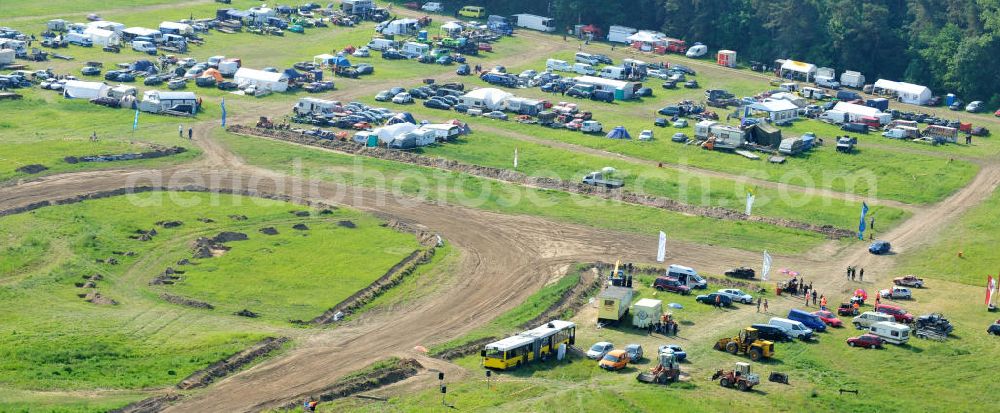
<point x="53" y="340"/>
<point x="99" y="312"/>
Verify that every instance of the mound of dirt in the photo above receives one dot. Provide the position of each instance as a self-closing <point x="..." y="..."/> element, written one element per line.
<point x="96" y="298"/>
<point x="232" y="363"/>
<point x="238" y="217"/>
<point x="184" y="262"/>
<point x="206" y="220"/>
<point x="125" y="253"/>
<point x="112" y="261"/>
<point x="247" y="313"/>
<point x="152" y="404"/>
<point x="300" y="227"/>
<point x="169" y="224"/>
<point x="32" y="169"/>
<point x="403" y="370"/>
<point x="143" y="235"/>
<point x="300" y="213"/>
<point x="228" y="236"/>
<point x="326" y="211"/>
<point x="186" y="301"/>
<point x="269" y="231"/>
<point x="347" y="224"/>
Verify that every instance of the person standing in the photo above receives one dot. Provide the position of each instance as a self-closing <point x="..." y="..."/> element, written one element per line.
<point x="180" y="131"/>
<point x="718" y="301"/>
<point x="861" y="275"/>
<point x="814" y="297"/>
<point x="878" y="298"/>
<point x="822" y="303"/>
<point x="758" y="304"/>
<point x="765" y="305"/>
<point x="190" y="133"/>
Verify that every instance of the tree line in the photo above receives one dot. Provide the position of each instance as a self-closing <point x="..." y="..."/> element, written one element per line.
<point x="948" y="45"/>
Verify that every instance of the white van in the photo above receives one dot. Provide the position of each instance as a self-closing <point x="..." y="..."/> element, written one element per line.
<point x="697" y="50"/>
<point x="558" y="65"/>
<point x="687" y="276"/>
<point x="792" y="327"/>
<point x="585" y="58"/>
<point x="868" y="318"/>
<point x="612" y="72"/>
<point x="79" y="39"/>
<point x="381" y="44"/>
<point x="584" y="69"/>
<point x="891" y="332"/>
<point x="144" y="47"/>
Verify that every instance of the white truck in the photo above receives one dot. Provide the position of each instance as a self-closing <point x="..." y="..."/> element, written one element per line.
<point x="612" y="72"/>
<point x="600" y="179"/>
<point x="144" y="46"/>
<point x="687" y="276"/>
<point x="584" y="69"/>
<point x="533" y="22"/>
<point x="620" y="34"/>
<point x="558" y="65"/>
<point x="79" y="39"/>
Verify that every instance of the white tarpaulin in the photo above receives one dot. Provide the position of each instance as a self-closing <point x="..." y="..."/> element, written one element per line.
<point x="661" y="252"/>
<point x="387" y="133"/>
<point x="766" y="268"/>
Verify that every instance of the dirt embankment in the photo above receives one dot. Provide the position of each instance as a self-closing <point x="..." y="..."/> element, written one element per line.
<point x="538" y="182"/>
<point x="175" y="299"/>
<point x="391" y="278"/>
<point x="402" y="370"/>
<point x="231" y="364"/>
<point x="159" y="152"/>
<point x="152" y="404"/>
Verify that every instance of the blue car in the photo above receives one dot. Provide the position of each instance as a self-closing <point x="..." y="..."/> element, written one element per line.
<point x="880" y="247"/>
<point x="679" y="354"/>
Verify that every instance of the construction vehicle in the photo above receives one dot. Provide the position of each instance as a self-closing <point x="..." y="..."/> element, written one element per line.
<point x="264" y="123"/>
<point x="666" y="371"/>
<point x="741" y="378"/>
<point x="846" y="144"/>
<point x="747" y="342"/>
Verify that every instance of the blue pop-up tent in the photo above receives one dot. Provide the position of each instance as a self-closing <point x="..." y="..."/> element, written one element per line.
<point x="619" y="132"/>
<point x="404" y="117"/>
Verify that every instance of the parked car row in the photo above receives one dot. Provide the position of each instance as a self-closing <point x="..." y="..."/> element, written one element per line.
<point x="612" y="359"/>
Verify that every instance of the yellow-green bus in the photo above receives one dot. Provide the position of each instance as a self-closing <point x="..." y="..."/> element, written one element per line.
<point x="530" y="345"/>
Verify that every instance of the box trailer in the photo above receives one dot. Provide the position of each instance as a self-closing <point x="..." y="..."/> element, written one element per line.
<point x="613" y="304"/>
<point x="852" y="79"/>
<point x="620" y="34"/>
<point x="646" y="311"/>
<point x="533" y="22"/>
<point x="726" y="58"/>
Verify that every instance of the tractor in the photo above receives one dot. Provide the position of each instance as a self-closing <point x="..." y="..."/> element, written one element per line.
<point x="749" y="343"/>
<point x="741" y="378"/>
<point x="666" y="371"/>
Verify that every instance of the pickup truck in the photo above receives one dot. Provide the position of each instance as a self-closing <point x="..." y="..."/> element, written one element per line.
<point x="598" y="179"/>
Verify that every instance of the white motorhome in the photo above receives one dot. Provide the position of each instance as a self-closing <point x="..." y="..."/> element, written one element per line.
<point x="891" y="332"/>
<point x="687" y="276"/>
<point x="792" y="327"/>
<point x="533" y="22"/>
<point x="414" y="49"/>
<point x="381" y="44"/>
<point x="311" y="106"/>
<point x="853" y="79"/>
<point x="587" y="58"/>
<point x="558" y="65"/>
<point x="79" y="39"/>
<point x="612" y="72"/>
<point x="584" y="69"/>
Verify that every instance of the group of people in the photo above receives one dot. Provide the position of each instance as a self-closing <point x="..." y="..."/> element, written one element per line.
<point x="180" y="132"/>
<point x="761" y="301"/>
<point x="853" y="273"/>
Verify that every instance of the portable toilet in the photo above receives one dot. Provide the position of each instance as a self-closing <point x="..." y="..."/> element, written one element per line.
<point x="422" y="36"/>
<point x="646" y="312"/>
<point x="726" y="58"/>
<point x="949" y="99"/>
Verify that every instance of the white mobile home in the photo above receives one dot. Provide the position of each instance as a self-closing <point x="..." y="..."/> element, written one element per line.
<point x="155" y="101"/>
<point x="414" y="49"/>
<point x="894" y="333"/>
<point x="533" y="22"/>
<point x="312" y="106"/>
<point x="524" y="106"/>
<point x="75" y="89"/>
<point x="275" y="82"/>
<point x="133" y="32"/>
<point x="444" y="131"/>
<point x="905" y="92"/>
<point x="855" y="112"/>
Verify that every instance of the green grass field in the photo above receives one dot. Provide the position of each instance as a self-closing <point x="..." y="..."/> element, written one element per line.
<point x="973" y="236"/>
<point x="50" y="339"/>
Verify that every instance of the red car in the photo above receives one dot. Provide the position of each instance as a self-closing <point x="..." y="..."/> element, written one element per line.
<point x="485" y="47"/>
<point x="899" y="314"/>
<point x="575" y="124"/>
<point x="828" y="318"/>
<point x="362" y="126"/>
<point x="866" y="341"/>
<point x="671" y="284"/>
<point x="997" y="113"/>
<point x="909" y="281"/>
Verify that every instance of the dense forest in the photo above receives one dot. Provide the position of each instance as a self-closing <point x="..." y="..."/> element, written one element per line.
<point x="948" y="45"/>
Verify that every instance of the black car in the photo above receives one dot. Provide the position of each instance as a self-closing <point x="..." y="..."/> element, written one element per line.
<point x="578" y="93"/>
<point x="392" y="55"/>
<point x="602" y="59"/>
<point x="691" y="84"/>
<point x="461" y="108"/>
<point x="855" y="127"/>
<point x="450" y="100"/>
<point x="644" y="92"/>
<point x="436" y="104"/>
<point x="772" y="333"/>
<point x="152" y="80"/>
<point x="227" y="85"/>
<point x="418" y="93"/>
<point x="710" y="298"/>
<point x="670" y="111"/>
<point x="670" y="84"/>
<point x="90" y="71"/>
<point x="661" y="122"/>
<point x="364" y="69"/>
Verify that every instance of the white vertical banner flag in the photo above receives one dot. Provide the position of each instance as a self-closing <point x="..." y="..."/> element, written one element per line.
<point x="515" y="158"/>
<point x="750" y="199"/>
<point x="661" y="252"/>
<point x="766" y="267"/>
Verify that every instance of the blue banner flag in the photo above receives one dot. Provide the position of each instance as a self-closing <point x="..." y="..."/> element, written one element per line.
<point x="861" y="226"/>
<point x="223" y="112"/>
<point x="135" y="122"/>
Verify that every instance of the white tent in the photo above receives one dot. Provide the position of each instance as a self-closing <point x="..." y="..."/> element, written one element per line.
<point x="855" y="112"/>
<point x="6" y="56"/>
<point x="906" y="92"/>
<point x="487" y="97"/>
<point x="796" y="99"/>
<point x="75" y="89"/>
<point x="275" y="82"/>
<point x="387" y="133"/>
<point x="107" y="25"/>
<point x="645" y="37"/>
<point x="776" y="109"/>
<point x="451" y="27"/>
<point x="102" y="37"/>
<point x="176" y="28"/>
<point x="806" y="70"/>
<point x="323" y="59"/>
